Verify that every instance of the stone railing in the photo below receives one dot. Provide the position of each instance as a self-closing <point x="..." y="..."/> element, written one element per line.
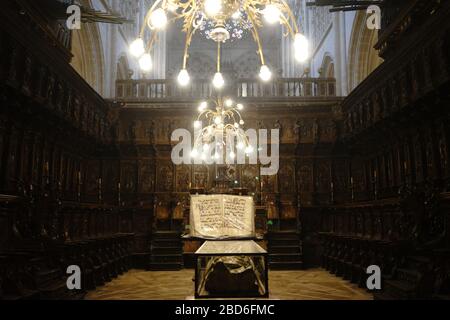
<point x="242" y="88"/>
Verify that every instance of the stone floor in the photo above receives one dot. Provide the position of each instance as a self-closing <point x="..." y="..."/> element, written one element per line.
<point x="313" y="284"/>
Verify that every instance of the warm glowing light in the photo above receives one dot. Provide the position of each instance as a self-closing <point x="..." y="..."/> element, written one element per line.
<point x="202" y="107"/>
<point x="236" y="15"/>
<point x="137" y="48"/>
<point x="217" y="120"/>
<point x="205" y="147"/>
<point x="249" y="150"/>
<point x="240" y="145"/>
<point x="145" y="62"/>
<point x="183" y="78"/>
<point x="229" y="103"/>
<point x="301" y="47"/>
<point x="158" y="19"/>
<point x="236" y="125"/>
<point x="194" y="153"/>
<point x="271" y="13"/>
<point x="213" y="7"/>
<point x="265" y="74"/>
<point x="241" y="122"/>
<point x="218" y="80"/>
<point x="240" y="106"/>
<point x="232" y="155"/>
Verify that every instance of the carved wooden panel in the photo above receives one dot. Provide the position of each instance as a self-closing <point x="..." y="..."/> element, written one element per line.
<point x="164" y="176"/>
<point x="92" y="178"/>
<point x="128" y="178"/>
<point x="250" y="178"/>
<point x="286" y="177"/>
<point x="183" y="178"/>
<point x="110" y="177"/>
<point x="146" y="176"/>
<point x="201" y="177"/>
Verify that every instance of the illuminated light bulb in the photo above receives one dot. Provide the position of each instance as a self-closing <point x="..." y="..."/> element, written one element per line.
<point x="203" y="106"/>
<point x="236" y="15"/>
<point x="249" y="150"/>
<point x="218" y="80"/>
<point x="236" y="125"/>
<point x="241" y="122"/>
<point x="217" y="120"/>
<point x="271" y="13"/>
<point x="213" y="7"/>
<point x="194" y="153"/>
<point x="145" y="62"/>
<point x="232" y="155"/>
<point x="229" y="102"/>
<point x="240" y="106"/>
<point x="183" y="78"/>
<point x="240" y="145"/>
<point x="158" y="19"/>
<point x="301" y="47"/>
<point x="137" y="48"/>
<point x="197" y="124"/>
<point x="265" y="74"/>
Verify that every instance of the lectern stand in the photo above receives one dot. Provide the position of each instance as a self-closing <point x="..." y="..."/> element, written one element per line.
<point x="231" y="269"/>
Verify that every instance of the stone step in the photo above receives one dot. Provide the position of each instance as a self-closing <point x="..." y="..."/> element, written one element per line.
<point x="283" y="236"/>
<point x="284" y="249"/>
<point x="286" y="265"/>
<point x="167" y="243"/>
<point x="166" y="266"/>
<point x="166" y="235"/>
<point x="166" y="250"/>
<point x="166" y="258"/>
<point x="284" y="257"/>
<point x="283" y="243"/>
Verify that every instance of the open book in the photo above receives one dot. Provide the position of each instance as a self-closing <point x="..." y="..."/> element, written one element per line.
<point x="222" y="216"/>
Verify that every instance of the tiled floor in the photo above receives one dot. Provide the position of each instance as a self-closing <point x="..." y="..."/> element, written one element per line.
<point x="286" y="285"/>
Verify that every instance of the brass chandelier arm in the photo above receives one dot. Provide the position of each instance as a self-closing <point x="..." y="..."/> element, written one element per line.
<point x="285" y="22"/>
<point x="152" y="41"/>
<point x="147" y="16"/>
<point x="257" y="39"/>
<point x="291" y="17"/>
<point x="218" y="56"/>
<point x="189" y="34"/>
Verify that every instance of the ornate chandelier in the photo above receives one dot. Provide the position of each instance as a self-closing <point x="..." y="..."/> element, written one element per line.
<point x="222" y="17"/>
<point x="223" y="131"/>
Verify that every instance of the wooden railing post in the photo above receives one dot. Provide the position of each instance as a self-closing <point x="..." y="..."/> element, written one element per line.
<point x="241" y="88"/>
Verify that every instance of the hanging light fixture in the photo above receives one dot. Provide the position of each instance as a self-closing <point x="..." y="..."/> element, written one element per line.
<point x="223" y="123"/>
<point x="219" y="14"/>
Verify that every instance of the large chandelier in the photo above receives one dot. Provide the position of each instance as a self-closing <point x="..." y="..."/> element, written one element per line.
<point x="220" y="15"/>
<point x="219" y="131"/>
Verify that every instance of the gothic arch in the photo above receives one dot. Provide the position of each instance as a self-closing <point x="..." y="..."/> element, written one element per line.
<point x="363" y="58"/>
<point x="87" y="53"/>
